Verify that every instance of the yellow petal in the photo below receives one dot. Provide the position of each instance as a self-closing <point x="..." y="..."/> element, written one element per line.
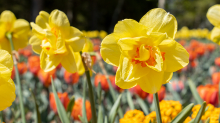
<point x="68" y="61"/>
<point x="79" y="64"/>
<point x="167" y="77"/>
<point x="130" y="28"/>
<point x="213" y="15"/>
<point x="110" y="50"/>
<point x="8" y="18"/>
<point x="20" y="42"/>
<point x="59" y="20"/>
<point x="153" y="39"/>
<point x="6" y="59"/>
<point x="75" y="39"/>
<point x="42" y="20"/>
<point x="60" y="45"/>
<point x="7" y="93"/>
<point x="49" y="62"/>
<point x="38" y="31"/>
<point x="128" y="73"/>
<point x="144" y="53"/>
<point x="152" y="82"/>
<point x="21" y="27"/>
<point x="5" y="45"/>
<point x="176" y="56"/>
<point x="35" y="43"/>
<point x="215" y="35"/>
<point x="158" y="20"/>
<point x="5" y="74"/>
<point x="88" y="46"/>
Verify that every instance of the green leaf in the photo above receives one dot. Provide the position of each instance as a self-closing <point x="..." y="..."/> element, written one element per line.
<point x="200" y="113"/>
<point x="142" y="105"/>
<point x="84" y="116"/>
<point x="37" y="118"/>
<point x="106" y="119"/>
<point x="112" y="91"/>
<point x="114" y="110"/>
<point x="180" y="118"/>
<point x="130" y="101"/>
<point x="99" y="93"/>
<point x="195" y="92"/>
<point x="100" y="115"/>
<point x="70" y="106"/>
<point x="60" y="109"/>
<point x="82" y="120"/>
<point x="208" y="120"/>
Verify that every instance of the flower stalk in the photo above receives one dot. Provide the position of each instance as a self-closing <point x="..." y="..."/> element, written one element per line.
<point x="157" y="108"/>
<point x="9" y="37"/>
<point x="91" y="96"/>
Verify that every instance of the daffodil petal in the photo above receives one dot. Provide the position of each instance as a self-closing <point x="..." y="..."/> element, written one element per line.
<point x="152" y="82"/>
<point x="21" y="27"/>
<point x="42" y="19"/>
<point x="7" y="92"/>
<point x="5" y="74"/>
<point x="8" y="18"/>
<point x="69" y="62"/>
<point x="152" y="39"/>
<point x="75" y="39"/>
<point x="129" y="72"/>
<point x="129" y="28"/>
<point x="158" y="20"/>
<point x="79" y="64"/>
<point x="49" y="62"/>
<point x="35" y="43"/>
<point x="215" y="35"/>
<point x="167" y="77"/>
<point x="20" y="42"/>
<point x="60" y="45"/>
<point x="88" y="46"/>
<point x="110" y="50"/>
<point x="5" y="45"/>
<point x="6" y="59"/>
<point x="38" y="31"/>
<point x="59" y="20"/>
<point x="176" y="56"/>
<point x="213" y="15"/>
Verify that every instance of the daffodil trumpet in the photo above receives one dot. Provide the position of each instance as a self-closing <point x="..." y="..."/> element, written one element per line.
<point x="9" y="37"/>
<point x="91" y="96"/>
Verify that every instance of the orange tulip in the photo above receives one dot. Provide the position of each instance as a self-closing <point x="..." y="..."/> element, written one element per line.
<point x="182" y="42"/>
<point x="200" y="50"/>
<point x="77" y="110"/>
<point x="63" y="98"/>
<point x="71" y="78"/>
<point x="102" y="79"/>
<point x="210" y="47"/>
<point x="34" y="64"/>
<point x="137" y="90"/>
<point x="45" y="77"/>
<point x="216" y="78"/>
<point x="217" y="61"/>
<point x="194" y="43"/>
<point x="22" y="67"/>
<point x="209" y="93"/>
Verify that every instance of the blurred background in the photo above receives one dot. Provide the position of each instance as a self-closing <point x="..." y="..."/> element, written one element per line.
<point x="104" y="14"/>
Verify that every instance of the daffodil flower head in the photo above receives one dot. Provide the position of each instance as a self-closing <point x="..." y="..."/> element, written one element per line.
<point x="213" y="16"/>
<point x="56" y="41"/>
<point x="145" y="52"/>
<point x="19" y="28"/>
<point x="7" y="86"/>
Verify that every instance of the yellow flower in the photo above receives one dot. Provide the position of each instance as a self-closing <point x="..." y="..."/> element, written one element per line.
<point x="56" y="41"/>
<point x="19" y="28"/>
<point x="145" y="53"/>
<point x="132" y="116"/>
<point x="7" y="86"/>
<point x="88" y="47"/>
<point x="213" y="16"/>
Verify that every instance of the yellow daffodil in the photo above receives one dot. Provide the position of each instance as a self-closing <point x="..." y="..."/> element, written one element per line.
<point x="145" y="53"/>
<point x="88" y="47"/>
<point x="213" y="16"/>
<point x="56" y="41"/>
<point x="7" y="86"/>
<point x="19" y="28"/>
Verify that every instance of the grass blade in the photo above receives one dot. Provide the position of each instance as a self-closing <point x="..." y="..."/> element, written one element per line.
<point x="195" y="92"/>
<point x="200" y="113"/>
<point x="37" y="118"/>
<point x="130" y="101"/>
<point x="114" y="110"/>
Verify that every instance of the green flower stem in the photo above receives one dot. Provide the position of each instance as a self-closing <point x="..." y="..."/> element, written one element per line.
<point x="91" y="96"/>
<point x="157" y="108"/>
<point x="9" y="36"/>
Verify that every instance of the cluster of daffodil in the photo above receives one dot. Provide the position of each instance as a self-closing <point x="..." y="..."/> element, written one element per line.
<point x="95" y="34"/>
<point x="185" y="33"/>
<point x="168" y="109"/>
<point x="211" y="111"/>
